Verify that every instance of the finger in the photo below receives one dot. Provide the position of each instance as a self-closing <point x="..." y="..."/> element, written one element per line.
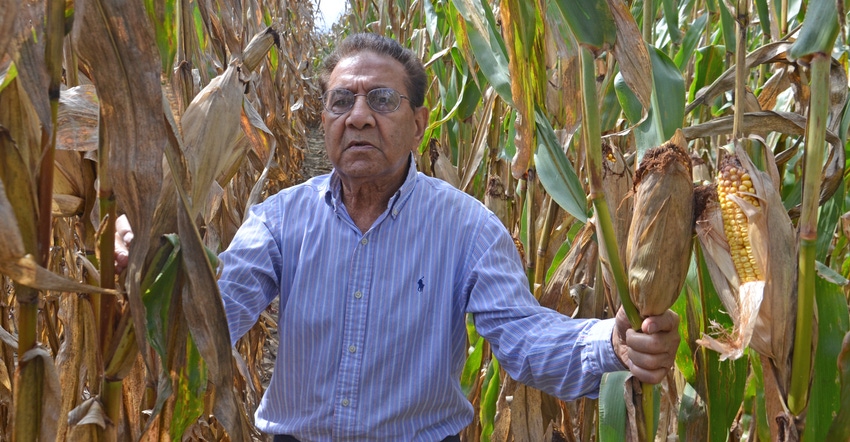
<point x="652" y="361"/>
<point x="667" y="321"/>
<point x="660" y="343"/>
<point x="649" y="376"/>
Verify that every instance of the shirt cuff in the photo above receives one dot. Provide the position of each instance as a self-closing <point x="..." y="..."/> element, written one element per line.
<point x="599" y="343"/>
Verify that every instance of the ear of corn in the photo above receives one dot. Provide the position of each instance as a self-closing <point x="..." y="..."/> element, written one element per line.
<point x="752" y="263"/>
<point x="734" y="182"/>
<point x="660" y="234"/>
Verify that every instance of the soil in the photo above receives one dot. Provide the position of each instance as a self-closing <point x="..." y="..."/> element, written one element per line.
<point x="315" y="159"/>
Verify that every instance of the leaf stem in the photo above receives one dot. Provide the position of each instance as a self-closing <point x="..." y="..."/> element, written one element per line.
<point x="815" y="146"/>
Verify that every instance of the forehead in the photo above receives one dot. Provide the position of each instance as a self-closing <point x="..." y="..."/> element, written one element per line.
<point x="368" y="70"/>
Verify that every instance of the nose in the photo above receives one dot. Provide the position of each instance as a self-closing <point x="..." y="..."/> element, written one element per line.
<point x="360" y="115"/>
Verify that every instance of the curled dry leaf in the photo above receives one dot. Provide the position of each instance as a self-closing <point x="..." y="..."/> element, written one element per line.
<point x="76" y="120"/>
<point x="631" y="53"/>
<point x="617" y="188"/>
<point x="23" y="268"/>
<point x="659" y="242"/>
<point x="90" y="412"/>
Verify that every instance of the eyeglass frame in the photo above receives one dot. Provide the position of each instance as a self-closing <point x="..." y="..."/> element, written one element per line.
<point x="325" y="107"/>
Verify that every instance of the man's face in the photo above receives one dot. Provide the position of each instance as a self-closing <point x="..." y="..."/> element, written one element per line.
<point x="365" y="146"/>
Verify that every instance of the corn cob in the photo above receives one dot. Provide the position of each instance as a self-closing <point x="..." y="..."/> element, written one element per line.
<point x="734" y="180"/>
<point x="660" y="234"/>
<point x="749" y="247"/>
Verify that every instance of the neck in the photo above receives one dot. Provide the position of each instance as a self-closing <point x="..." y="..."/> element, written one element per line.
<point x="366" y="201"/>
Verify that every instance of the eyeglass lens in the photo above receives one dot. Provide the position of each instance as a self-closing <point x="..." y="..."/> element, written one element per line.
<point x="383" y="100"/>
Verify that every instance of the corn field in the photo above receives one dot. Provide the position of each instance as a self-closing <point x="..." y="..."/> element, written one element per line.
<point x="182" y="114"/>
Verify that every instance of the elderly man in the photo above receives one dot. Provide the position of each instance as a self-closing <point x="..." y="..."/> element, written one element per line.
<point x="377" y="265"/>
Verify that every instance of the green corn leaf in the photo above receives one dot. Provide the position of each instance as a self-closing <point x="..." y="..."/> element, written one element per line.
<point x="189" y="395"/>
<point x="668" y="104"/>
<point x="840" y="428"/>
<point x="763" y="11"/>
<point x="690" y="41"/>
<point x="627" y="100"/>
<point x="609" y="112"/>
<point x="708" y="66"/>
<point x="757" y="379"/>
<point x="720" y="383"/>
<point x="671" y="16"/>
<point x="556" y="173"/>
<point x="491" y="387"/>
<point x="819" y="31"/>
<point x="472" y="366"/>
<point x="161" y="14"/>
<point x="157" y="290"/>
<point x="691" y="417"/>
<point x="612" y="407"/>
<point x="8" y="75"/>
<point x="727" y="26"/>
<point x="480" y="33"/>
<point x="590" y="21"/>
<point x="825" y="398"/>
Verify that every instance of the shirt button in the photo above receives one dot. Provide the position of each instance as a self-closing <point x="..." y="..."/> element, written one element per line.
<point x="364" y="241"/>
<point x="345" y="402"/>
<point x="352" y="349"/>
<point x="358" y="294"/>
<point x="395" y="212"/>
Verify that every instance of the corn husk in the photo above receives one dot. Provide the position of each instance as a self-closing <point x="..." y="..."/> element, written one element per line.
<point x="660" y="234"/>
<point x="617" y="188"/>
<point x="763" y="311"/>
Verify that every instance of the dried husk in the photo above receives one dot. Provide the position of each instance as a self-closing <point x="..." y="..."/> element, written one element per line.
<point x="769" y="315"/>
<point x="660" y="235"/>
<point x="617" y="188"/>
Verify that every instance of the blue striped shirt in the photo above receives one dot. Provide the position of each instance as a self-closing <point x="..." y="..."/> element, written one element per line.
<point x="372" y="326"/>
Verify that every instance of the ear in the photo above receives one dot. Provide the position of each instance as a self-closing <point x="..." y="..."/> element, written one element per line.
<point x="420" y="120"/>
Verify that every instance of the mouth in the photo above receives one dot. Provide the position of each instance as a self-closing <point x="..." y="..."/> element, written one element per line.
<point x="358" y="145"/>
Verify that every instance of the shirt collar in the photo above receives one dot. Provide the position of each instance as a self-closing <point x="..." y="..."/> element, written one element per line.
<point x="333" y="194"/>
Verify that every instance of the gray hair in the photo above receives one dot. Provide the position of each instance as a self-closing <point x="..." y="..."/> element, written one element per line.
<point x="416" y="80"/>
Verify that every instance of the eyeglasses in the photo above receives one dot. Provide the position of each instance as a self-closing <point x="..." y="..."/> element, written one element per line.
<point x="382" y="100"/>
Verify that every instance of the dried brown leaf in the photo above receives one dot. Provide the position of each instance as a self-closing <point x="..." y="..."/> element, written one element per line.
<point x="775" y="85"/>
<point x="77" y="360"/>
<point x="90" y="412"/>
<point x="207" y="321"/>
<point x="526" y="415"/>
<point x="116" y="45"/>
<point x="32" y="69"/>
<point x="210" y="129"/>
<point x="8" y="14"/>
<point x="631" y="53"/>
<point x="76" y="120"/>
<point x="769" y="53"/>
<point x="617" y="188"/>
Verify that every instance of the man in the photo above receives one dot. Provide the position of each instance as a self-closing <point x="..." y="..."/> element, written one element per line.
<point x="377" y="266"/>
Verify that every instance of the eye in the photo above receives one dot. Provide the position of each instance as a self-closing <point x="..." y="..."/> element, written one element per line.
<point x="339" y="100"/>
<point x="384" y="99"/>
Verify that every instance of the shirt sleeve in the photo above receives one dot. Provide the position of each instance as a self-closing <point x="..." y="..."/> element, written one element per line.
<point x="537" y="346"/>
<point x="249" y="280"/>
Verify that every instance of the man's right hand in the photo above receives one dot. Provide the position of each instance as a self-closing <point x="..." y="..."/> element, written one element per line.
<point x="123" y="237"/>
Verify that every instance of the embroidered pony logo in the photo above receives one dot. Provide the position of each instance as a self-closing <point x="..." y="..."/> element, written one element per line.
<point x="420" y="284"/>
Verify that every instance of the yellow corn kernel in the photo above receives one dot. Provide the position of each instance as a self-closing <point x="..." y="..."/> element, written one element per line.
<point x="733" y="180"/>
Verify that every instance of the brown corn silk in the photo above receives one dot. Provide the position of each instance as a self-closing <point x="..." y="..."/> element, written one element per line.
<point x="660" y="234"/>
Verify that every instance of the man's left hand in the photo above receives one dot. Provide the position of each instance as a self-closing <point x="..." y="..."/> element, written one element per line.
<point x="650" y="353"/>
